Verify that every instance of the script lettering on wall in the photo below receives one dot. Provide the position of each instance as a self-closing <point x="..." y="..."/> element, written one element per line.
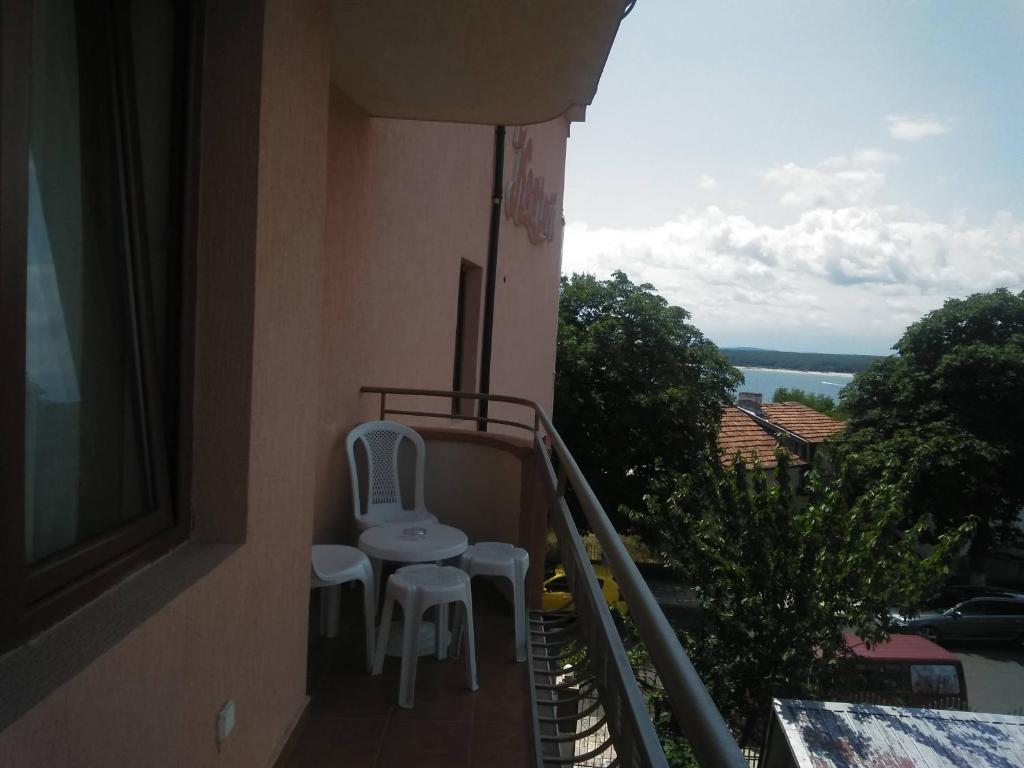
<point x="525" y="201"/>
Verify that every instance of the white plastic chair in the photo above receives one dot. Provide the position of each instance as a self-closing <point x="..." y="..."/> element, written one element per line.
<point x="496" y="558"/>
<point x="417" y="588"/>
<point x="332" y="566"/>
<point x="382" y="439"/>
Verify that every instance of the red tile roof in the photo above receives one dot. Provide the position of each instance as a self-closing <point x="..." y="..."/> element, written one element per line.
<point x="738" y="432"/>
<point x="802" y="421"/>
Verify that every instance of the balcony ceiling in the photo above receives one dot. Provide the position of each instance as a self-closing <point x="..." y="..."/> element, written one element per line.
<point x="511" y="62"/>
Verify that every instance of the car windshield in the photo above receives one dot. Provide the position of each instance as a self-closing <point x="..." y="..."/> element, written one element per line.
<point x="982" y="607"/>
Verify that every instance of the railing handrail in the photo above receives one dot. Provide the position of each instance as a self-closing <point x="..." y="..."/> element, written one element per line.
<point x="695" y="712"/>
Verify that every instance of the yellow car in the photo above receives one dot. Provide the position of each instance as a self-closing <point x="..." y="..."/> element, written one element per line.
<point x="558" y="597"/>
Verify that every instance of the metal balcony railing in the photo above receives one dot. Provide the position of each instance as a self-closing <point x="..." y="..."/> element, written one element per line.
<point x="602" y="668"/>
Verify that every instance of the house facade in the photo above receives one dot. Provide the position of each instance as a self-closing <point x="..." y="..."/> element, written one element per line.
<point x="221" y="221"/>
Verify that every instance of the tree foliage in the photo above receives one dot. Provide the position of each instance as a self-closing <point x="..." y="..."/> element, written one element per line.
<point x="950" y="402"/>
<point x="821" y="403"/>
<point x="638" y="389"/>
<point x="779" y="582"/>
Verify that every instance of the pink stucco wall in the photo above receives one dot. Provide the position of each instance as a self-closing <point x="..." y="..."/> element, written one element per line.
<point x="239" y="632"/>
<point x="526" y="302"/>
<point x="408" y="203"/>
<point x="329" y="248"/>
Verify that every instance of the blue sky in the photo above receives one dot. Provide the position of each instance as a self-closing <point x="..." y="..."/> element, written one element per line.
<point x="806" y="175"/>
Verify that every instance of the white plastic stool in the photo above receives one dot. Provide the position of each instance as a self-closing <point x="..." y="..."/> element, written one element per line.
<point x="416" y="588"/>
<point x="496" y="558"/>
<point x="334" y="565"/>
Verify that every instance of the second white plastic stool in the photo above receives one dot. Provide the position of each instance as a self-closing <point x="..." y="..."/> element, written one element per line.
<point x="416" y="588"/>
<point x="496" y="558"/>
<point x="332" y="566"/>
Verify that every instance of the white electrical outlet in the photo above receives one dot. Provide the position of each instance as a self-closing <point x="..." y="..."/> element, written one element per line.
<point x="225" y="721"/>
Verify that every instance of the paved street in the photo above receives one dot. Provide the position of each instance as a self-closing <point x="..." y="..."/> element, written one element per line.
<point x="995" y="678"/>
<point x="994" y="673"/>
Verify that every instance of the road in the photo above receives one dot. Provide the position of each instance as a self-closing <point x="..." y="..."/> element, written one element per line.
<point x="994" y="674"/>
<point x="995" y="678"/>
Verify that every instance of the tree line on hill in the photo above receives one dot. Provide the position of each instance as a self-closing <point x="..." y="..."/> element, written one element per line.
<point x="930" y="454"/>
<point x="798" y="361"/>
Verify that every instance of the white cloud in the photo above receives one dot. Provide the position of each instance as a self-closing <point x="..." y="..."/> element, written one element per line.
<point x="908" y="128"/>
<point x="848" y="266"/>
<point x="836" y="181"/>
<point x="845" y="271"/>
<point x="706" y="182"/>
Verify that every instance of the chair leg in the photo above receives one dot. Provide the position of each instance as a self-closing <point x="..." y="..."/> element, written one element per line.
<point x="377" y="566"/>
<point x="441" y="632"/>
<point x="519" y="605"/>
<point x="369" y="609"/>
<point x="410" y="655"/>
<point x="467" y="607"/>
<point x="458" y="631"/>
<point x="323" y="612"/>
<point x="382" y="635"/>
<point x="330" y="610"/>
<point x="459" y="628"/>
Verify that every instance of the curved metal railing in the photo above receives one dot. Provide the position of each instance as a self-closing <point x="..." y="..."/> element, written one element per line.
<point x="632" y="730"/>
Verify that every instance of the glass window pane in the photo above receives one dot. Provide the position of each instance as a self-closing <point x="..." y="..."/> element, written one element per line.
<point x="934" y="679"/>
<point x="89" y="304"/>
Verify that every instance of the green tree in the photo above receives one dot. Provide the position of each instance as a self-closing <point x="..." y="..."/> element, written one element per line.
<point x="779" y="583"/>
<point x="950" y="402"/>
<point x="821" y="403"/>
<point x="638" y="389"/>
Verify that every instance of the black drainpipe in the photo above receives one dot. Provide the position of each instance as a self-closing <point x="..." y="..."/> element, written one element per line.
<point x="492" y="272"/>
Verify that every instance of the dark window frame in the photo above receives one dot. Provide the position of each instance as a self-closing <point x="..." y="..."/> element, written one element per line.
<point x="34" y="596"/>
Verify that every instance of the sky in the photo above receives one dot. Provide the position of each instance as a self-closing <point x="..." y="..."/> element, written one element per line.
<point x="809" y="175"/>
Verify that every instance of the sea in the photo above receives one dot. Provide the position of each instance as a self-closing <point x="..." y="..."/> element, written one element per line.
<point x="767" y="380"/>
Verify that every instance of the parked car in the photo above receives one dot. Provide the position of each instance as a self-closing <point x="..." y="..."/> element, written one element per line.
<point x="980" y="618"/>
<point x="904" y="671"/>
<point x="954" y="594"/>
<point x="558" y="597"/>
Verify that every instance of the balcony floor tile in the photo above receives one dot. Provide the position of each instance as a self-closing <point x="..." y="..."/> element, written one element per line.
<point x="353" y="718"/>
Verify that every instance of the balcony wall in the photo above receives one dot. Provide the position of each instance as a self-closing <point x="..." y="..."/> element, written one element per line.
<point x="136" y="678"/>
<point x="328" y="253"/>
<point x="408" y="204"/>
<point x="489" y="486"/>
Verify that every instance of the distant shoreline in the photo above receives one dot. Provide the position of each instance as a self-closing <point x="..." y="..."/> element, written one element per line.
<point x="793" y="370"/>
<point x="802" y="362"/>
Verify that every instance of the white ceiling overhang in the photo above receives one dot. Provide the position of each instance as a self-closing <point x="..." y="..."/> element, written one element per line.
<point x="511" y="62"/>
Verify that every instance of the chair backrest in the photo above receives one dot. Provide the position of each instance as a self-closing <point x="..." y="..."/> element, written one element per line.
<point x="382" y="440"/>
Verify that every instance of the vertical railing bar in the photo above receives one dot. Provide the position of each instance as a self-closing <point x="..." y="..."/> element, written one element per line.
<point x="383" y="401"/>
<point x="694" y="710"/>
<point x="608" y="654"/>
<point x="563" y="483"/>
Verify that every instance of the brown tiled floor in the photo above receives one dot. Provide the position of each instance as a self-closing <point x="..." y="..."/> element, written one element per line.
<point x="353" y="719"/>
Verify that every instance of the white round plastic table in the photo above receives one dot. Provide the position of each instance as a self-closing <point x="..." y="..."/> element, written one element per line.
<point x="391" y="542"/>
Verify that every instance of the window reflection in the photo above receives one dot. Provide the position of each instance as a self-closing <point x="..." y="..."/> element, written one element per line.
<point x="98" y="267"/>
